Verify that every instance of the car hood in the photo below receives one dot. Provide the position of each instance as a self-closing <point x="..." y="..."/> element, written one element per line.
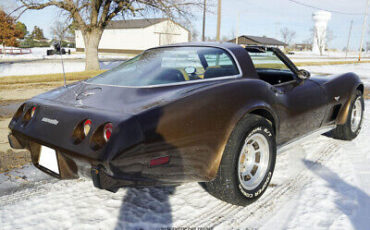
<point x="129" y="100"/>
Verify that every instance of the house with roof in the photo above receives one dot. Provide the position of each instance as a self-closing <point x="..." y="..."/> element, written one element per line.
<point x="261" y="41"/>
<point x="131" y="37"/>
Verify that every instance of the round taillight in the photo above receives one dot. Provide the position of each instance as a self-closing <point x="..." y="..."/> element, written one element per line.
<point x="108" y="128"/>
<point x="33" y="111"/>
<point x="87" y="126"/>
<point x="19" y="112"/>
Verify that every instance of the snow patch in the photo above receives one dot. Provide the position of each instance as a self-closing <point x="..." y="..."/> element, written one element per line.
<point x="363" y="70"/>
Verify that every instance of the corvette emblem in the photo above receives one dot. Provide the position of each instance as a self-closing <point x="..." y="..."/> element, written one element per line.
<point x="50" y="121"/>
<point x="88" y="93"/>
<point x="337" y="98"/>
<point x="84" y="95"/>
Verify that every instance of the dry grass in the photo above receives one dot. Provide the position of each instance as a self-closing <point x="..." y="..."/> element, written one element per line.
<point x="367" y="93"/>
<point x="76" y="76"/>
<point x="11" y="159"/>
<point x="329" y="63"/>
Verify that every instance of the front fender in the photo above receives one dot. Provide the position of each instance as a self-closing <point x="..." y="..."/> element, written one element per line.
<point x="343" y="86"/>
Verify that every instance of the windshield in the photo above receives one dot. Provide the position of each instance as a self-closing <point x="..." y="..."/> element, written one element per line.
<point x="170" y="65"/>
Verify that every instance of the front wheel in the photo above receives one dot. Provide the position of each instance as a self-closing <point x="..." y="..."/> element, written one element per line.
<point x="352" y="127"/>
<point x="247" y="164"/>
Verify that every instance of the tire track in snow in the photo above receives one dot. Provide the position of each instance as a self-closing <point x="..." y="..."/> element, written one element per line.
<point x="219" y="216"/>
<point x="215" y="215"/>
<point x="224" y="212"/>
<point x="296" y="183"/>
<point x="219" y="209"/>
<point x="34" y="189"/>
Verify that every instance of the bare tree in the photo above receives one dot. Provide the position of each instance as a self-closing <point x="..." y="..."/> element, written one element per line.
<point x="232" y="34"/>
<point x="191" y="27"/>
<point x="60" y="30"/>
<point x="329" y="36"/>
<point x="307" y="41"/>
<point x="287" y="35"/>
<point x="210" y="39"/>
<point x="322" y="38"/>
<point x="92" y="16"/>
<point x="194" y="35"/>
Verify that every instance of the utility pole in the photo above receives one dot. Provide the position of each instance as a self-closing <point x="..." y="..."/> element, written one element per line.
<point x="349" y="38"/>
<point x="204" y="21"/>
<point x="218" y="21"/>
<point x="364" y="29"/>
<point x="237" y="29"/>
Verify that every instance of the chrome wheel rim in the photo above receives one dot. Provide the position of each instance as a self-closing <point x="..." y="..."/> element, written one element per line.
<point x="356" y="115"/>
<point x="253" y="161"/>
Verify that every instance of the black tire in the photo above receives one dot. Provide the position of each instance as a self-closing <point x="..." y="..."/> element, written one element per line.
<point x="344" y="132"/>
<point x="226" y="186"/>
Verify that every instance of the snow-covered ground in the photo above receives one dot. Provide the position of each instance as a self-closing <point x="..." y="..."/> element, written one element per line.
<point x="308" y="56"/>
<point x="39" y="63"/>
<point x="48" y="66"/>
<point x="40" y="54"/>
<point x="318" y="184"/>
<point x="363" y="70"/>
<point x="330" y="54"/>
<point x="37" y="54"/>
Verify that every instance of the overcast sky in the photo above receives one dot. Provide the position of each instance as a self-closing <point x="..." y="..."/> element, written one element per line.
<point x="257" y="17"/>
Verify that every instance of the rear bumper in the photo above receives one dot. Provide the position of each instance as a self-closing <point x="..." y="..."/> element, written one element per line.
<point x="73" y="166"/>
<point x="103" y="180"/>
<point x="15" y="143"/>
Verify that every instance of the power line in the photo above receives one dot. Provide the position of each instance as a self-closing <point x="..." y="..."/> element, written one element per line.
<point x="319" y="8"/>
<point x="349" y="37"/>
<point x="204" y="20"/>
<point x="364" y="29"/>
<point x="218" y="21"/>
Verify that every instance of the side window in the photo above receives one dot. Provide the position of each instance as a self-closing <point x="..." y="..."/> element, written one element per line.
<point x="267" y="60"/>
<point x="271" y="68"/>
<point x="218" y="60"/>
<point x="178" y="59"/>
<point x="219" y="64"/>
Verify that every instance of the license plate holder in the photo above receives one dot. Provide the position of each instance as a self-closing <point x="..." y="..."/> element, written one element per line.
<point x="48" y="159"/>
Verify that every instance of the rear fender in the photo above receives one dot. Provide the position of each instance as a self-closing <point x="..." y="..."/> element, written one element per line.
<point x="250" y="108"/>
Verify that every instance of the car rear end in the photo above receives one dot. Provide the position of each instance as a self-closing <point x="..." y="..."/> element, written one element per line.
<point x="69" y="141"/>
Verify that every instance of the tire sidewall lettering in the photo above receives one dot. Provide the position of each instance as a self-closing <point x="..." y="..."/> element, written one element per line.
<point x="259" y="190"/>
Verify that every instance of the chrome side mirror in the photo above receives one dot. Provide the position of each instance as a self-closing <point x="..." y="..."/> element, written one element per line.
<point x="303" y="74"/>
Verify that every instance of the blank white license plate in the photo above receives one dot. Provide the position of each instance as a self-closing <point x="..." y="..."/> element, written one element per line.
<point x="48" y="159"/>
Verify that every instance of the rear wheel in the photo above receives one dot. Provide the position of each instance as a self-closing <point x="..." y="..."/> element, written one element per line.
<point x="352" y="127"/>
<point x="247" y="164"/>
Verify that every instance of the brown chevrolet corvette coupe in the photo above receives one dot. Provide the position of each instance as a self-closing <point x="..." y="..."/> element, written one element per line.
<point x="211" y="113"/>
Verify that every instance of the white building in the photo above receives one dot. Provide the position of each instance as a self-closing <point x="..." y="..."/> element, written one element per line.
<point x="133" y="36"/>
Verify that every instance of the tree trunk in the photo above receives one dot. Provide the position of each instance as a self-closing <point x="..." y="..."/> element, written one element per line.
<point x="91" y="40"/>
